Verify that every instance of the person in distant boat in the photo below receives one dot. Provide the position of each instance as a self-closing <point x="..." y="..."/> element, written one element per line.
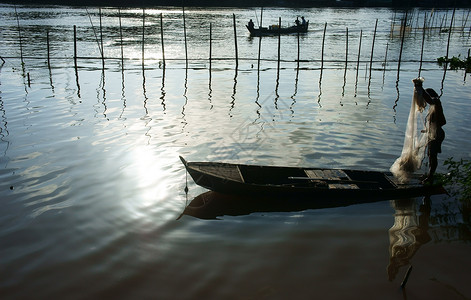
<point x="436" y="119"/>
<point x="251" y="25"/>
<point x="297" y="21"/>
<point x="303" y="21"/>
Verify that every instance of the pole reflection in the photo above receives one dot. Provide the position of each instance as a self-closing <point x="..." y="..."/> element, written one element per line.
<point x="162" y="90"/>
<point x="76" y="82"/>
<point x="3" y="119"/>
<point x="184" y="122"/>
<point x="123" y="95"/>
<point x="293" y="97"/>
<point x="234" y="91"/>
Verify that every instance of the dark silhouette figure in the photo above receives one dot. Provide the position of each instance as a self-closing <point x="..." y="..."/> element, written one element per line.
<point x="436" y="134"/>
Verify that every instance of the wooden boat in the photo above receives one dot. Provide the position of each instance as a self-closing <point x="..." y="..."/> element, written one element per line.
<point x="276" y="30"/>
<point x="297" y="182"/>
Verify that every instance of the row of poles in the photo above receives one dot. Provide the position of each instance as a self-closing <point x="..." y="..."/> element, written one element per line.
<point x="432" y="21"/>
<point x="99" y="40"/>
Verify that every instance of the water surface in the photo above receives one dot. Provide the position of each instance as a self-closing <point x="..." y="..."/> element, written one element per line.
<point x="91" y="184"/>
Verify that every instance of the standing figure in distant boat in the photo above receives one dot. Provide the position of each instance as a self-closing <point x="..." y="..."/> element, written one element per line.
<point x="436" y="119"/>
<point x="303" y="21"/>
<point x="251" y="25"/>
<point x="297" y="21"/>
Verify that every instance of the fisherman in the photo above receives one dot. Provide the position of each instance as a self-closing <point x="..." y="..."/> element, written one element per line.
<point x="436" y="119"/>
<point x="303" y="21"/>
<point x="297" y="21"/>
<point x="251" y="25"/>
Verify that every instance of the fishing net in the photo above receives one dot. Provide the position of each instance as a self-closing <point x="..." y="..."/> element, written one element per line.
<point x="415" y="141"/>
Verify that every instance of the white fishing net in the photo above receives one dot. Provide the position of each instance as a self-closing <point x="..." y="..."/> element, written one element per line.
<point x="415" y="141"/>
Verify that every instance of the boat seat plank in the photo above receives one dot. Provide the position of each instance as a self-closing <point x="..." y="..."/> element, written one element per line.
<point x="327" y="174"/>
<point x="332" y="175"/>
<point x="230" y="172"/>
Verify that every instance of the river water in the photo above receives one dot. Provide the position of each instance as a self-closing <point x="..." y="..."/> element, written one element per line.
<point x="92" y="188"/>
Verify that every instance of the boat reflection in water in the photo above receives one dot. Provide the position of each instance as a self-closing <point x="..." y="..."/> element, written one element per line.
<point x="211" y="205"/>
<point x="408" y="234"/>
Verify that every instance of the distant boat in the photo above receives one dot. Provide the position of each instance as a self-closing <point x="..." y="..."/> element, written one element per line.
<point x="315" y="184"/>
<point x="276" y="30"/>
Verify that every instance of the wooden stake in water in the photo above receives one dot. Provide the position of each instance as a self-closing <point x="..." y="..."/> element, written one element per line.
<point x="403" y="33"/>
<point x="75" y="46"/>
<point x="19" y="36"/>
<point x="162" y="38"/>
<point x="210" y="46"/>
<point x="358" y="62"/>
<point x="279" y="43"/>
<point x="143" y="35"/>
<point x="373" y="47"/>
<point x="235" y="41"/>
<point x="346" y="49"/>
<point x="184" y="34"/>
<point x="346" y="63"/>
<point x="101" y="41"/>
<point x="323" y="41"/>
<point x="449" y="33"/>
<point x="121" y="39"/>
<point x="48" y="51"/>
<point x="423" y="42"/>
<point x="298" y="51"/>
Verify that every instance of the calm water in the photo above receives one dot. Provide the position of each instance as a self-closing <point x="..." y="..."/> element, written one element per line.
<point x="92" y="188"/>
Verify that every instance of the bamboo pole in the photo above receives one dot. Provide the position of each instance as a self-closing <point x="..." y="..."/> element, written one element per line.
<point x="298" y="50"/>
<point x="449" y="33"/>
<point x="162" y="38"/>
<point x="423" y="43"/>
<point x="466" y="21"/>
<point x="184" y="34"/>
<point x="101" y="40"/>
<point x="48" y="50"/>
<point x="402" y="45"/>
<point x="279" y="42"/>
<point x="19" y="36"/>
<point x="358" y="62"/>
<point x="260" y="49"/>
<point x="373" y="46"/>
<point x="346" y="49"/>
<point x="259" y="53"/>
<point x="75" y="46"/>
<point x="323" y="42"/>
<point x="210" y="46"/>
<point x="143" y="36"/>
<point x="235" y="41"/>
<point x="359" y="51"/>
<point x="346" y="63"/>
<point x="121" y="39"/>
